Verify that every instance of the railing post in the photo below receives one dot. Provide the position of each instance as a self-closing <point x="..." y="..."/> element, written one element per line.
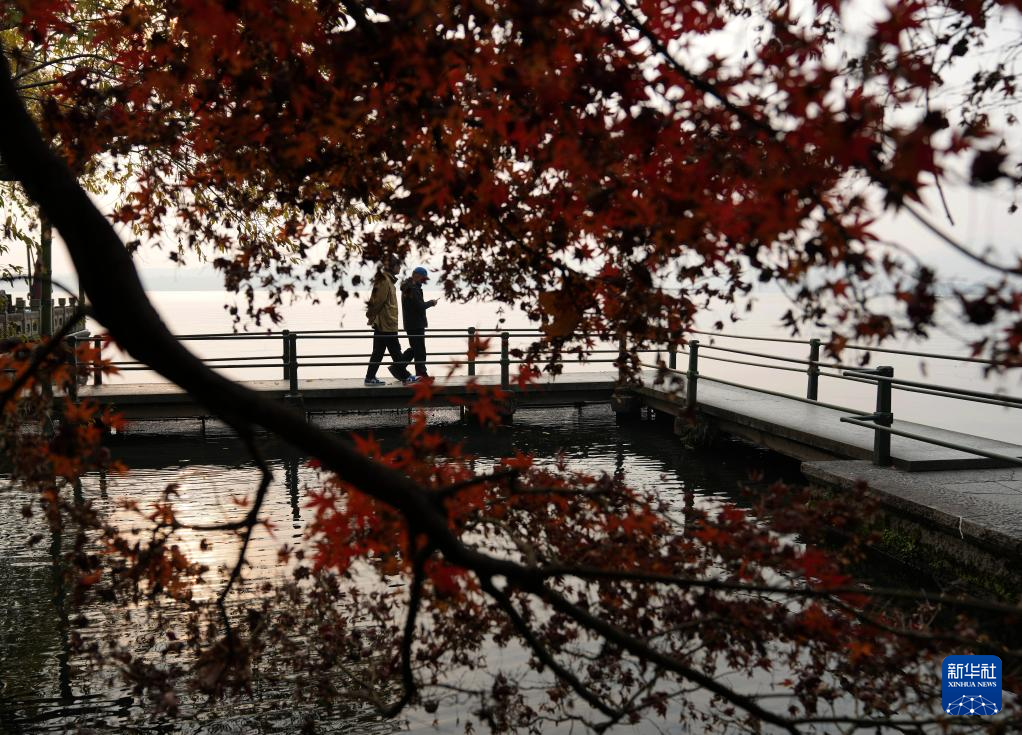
<point x="672" y="356"/>
<point x="691" y="395"/>
<point x="292" y="340"/>
<point x="884" y="417"/>
<point x="505" y="360"/>
<point x="813" y="386"/>
<point x="622" y="360"/>
<point x="471" y="351"/>
<point x="286" y="357"/>
<point x="97" y="374"/>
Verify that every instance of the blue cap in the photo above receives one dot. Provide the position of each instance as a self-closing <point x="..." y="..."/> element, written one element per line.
<point x="422" y="272"/>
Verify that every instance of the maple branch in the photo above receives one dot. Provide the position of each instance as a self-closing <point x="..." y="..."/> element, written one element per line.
<point x="630" y="18"/>
<point x="408" y="637"/>
<point x="36" y="85"/>
<point x="543" y="654"/>
<point x="645" y="652"/>
<point x="918" y="634"/>
<point x="1014" y="271"/>
<point x="943" y="197"/>
<point x="61" y="60"/>
<point x="252" y="518"/>
<point x="817" y="592"/>
<point x="567" y="492"/>
<point x="119" y="302"/>
<point x="454" y="488"/>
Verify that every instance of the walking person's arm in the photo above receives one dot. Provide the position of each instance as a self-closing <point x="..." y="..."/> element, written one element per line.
<point x="376" y="301"/>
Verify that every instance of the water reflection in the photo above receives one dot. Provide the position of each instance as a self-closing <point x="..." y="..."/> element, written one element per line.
<point x="41" y="685"/>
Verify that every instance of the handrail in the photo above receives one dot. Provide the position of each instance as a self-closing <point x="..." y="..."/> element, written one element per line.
<point x="747" y="336"/>
<point x="290" y="358"/>
<point x="780" y="358"/>
<point x="945" y="388"/>
<point x="863" y="348"/>
<point x="759" y="390"/>
<point x="934" y="355"/>
<point x="931" y="440"/>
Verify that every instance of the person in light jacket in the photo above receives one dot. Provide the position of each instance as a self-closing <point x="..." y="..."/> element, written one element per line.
<point x="414" y="307"/>
<point x="381" y="312"/>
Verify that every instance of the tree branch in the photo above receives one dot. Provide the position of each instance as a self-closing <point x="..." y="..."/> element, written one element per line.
<point x="543" y="654"/>
<point x="1013" y="271"/>
<point x="973" y="603"/>
<point x="630" y="18"/>
<point x="251" y="520"/>
<point x="408" y="637"/>
<point x="647" y="653"/>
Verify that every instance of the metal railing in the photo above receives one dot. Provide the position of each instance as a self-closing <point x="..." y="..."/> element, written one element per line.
<point x="289" y="359"/>
<point x="880" y="420"/>
<point x="294" y="355"/>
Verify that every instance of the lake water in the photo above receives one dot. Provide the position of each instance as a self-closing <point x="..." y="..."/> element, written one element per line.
<point x="46" y="688"/>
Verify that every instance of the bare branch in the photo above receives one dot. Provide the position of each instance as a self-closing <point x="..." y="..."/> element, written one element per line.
<point x="408" y="638"/>
<point x="543" y="654"/>
<point x="252" y="518"/>
<point x="974" y="603"/>
<point x="1014" y="271"/>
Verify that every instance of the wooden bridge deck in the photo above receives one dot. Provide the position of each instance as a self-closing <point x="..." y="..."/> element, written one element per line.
<point x="163" y="400"/>
<point x="814" y="432"/>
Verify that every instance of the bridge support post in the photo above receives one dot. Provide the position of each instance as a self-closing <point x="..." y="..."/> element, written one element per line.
<point x="622" y="361"/>
<point x="626" y="406"/>
<point x="46" y="277"/>
<point x="507" y="411"/>
<point x="813" y="385"/>
<point x="471" y="351"/>
<point x="691" y="394"/>
<point x="672" y="356"/>
<point x="884" y="417"/>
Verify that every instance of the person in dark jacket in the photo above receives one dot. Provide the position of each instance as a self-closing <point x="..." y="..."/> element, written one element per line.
<point x="413" y="308"/>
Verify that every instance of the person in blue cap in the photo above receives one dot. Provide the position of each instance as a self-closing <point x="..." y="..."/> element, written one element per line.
<point x="413" y="308"/>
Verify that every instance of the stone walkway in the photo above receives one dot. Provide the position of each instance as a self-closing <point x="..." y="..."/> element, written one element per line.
<point x="982" y="507"/>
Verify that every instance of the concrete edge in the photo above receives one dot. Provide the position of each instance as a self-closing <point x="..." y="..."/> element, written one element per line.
<point x="960" y="528"/>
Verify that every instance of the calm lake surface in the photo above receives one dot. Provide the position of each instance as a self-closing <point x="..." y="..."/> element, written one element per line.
<point x="45" y="689"/>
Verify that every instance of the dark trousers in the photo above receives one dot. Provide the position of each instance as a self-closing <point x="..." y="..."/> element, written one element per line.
<point x="416" y="350"/>
<point x="386" y="341"/>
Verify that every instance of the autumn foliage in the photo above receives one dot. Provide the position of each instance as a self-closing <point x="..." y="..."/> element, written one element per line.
<point x="607" y="167"/>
